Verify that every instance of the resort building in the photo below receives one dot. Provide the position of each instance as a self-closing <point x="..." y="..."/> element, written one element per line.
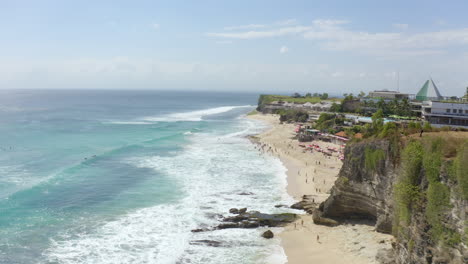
<point x="445" y="113"/>
<point x="429" y="92"/>
<point x="385" y="94"/>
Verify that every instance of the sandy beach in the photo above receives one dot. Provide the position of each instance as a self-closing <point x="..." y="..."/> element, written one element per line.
<point x="314" y="174"/>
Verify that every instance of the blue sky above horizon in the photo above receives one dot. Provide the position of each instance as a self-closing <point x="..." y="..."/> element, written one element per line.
<point x="264" y="46"/>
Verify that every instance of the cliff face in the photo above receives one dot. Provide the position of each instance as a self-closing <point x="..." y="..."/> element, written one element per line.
<point x="429" y="222"/>
<point x="363" y="193"/>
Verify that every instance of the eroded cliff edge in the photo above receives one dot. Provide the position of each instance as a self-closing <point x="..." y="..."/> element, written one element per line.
<point x="413" y="188"/>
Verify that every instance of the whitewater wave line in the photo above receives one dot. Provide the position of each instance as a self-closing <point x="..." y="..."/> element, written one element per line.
<point x="196" y="115"/>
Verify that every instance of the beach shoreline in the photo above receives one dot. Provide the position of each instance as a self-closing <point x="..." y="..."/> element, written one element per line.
<point x="314" y="174"/>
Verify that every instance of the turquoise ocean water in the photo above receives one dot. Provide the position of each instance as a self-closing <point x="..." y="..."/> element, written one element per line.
<point x="123" y="176"/>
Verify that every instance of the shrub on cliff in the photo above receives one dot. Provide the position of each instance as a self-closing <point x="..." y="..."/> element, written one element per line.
<point x="406" y="191"/>
<point x="372" y="157"/>
<point x="461" y="169"/>
<point x="423" y="165"/>
<point x="438" y="203"/>
<point x="292" y="116"/>
<point x="432" y="160"/>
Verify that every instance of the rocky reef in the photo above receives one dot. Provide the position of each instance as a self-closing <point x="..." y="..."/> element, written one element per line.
<point x="242" y="218"/>
<point x="415" y="189"/>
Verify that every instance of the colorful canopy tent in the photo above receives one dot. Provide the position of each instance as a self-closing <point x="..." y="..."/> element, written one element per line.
<point x="429" y="92"/>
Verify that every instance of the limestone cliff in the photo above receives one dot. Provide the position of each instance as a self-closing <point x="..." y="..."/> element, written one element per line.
<point x="413" y="190"/>
<point x="360" y="192"/>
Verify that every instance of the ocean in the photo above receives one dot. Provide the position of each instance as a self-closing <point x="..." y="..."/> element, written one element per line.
<point x="124" y="176"/>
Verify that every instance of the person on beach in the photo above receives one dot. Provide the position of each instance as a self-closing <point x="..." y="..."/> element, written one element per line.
<point x="318" y="238"/>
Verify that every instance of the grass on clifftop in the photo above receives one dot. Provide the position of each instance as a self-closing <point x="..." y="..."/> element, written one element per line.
<point x="268" y="98"/>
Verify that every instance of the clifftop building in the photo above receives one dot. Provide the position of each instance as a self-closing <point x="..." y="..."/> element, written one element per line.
<point x="432" y="107"/>
<point x="385" y="94"/>
<point x="429" y="92"/>
<point x="445" y="113"/>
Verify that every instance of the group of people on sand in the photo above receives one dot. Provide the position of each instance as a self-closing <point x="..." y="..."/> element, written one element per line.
<point x="267" y="148"/>
<point x="290" y="148"/>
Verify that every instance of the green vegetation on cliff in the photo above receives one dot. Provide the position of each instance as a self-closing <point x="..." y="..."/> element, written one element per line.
<point x="327" y="122"/>
<point x="425" y="185"/>
<point x="269" y="98"/>
<point x="406" y="191"/>
<point x="415" y="188"/>
<point x="460" y="169"/>
<point x="372" y="158"/>
<point x="291" y="115"/>
<point x="433" y="159"/>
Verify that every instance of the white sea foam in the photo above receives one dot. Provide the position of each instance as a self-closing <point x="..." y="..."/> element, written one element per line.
<point x="193" y="115"/>
<point x="212" y="171"/>
<point x="128" y="123"/>
<point x="15" y="178"/>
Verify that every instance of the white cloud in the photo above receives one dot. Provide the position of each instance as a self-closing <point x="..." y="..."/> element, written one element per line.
<point x="155" y="26"/>
<point x="250" y="26"/>
<point x="284" y="49"/>
<point x="334" y="35"/>
<point x="401" y="26"/>
<point x="328" y="22"/>
<point x="288" y="22"/>
<point x="284" y="31"/>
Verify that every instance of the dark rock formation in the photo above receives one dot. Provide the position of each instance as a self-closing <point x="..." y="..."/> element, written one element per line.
<point x="234" y="211"/>
<point x="255" y="219"/>
<point x="211" y="243"/>
<point x="280" y="205"/>
<point x="252" y="219"/>
<point x="320" y="220"/>
<point x="199" y="230"/>
<point x="307" y="204"/>
<point x="268" y="234"/>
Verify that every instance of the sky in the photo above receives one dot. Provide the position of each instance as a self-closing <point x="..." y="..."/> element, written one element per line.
<point x="256" y="45"/>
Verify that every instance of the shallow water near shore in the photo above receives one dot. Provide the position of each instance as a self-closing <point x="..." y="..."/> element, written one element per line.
<point x="122" y="177"/>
